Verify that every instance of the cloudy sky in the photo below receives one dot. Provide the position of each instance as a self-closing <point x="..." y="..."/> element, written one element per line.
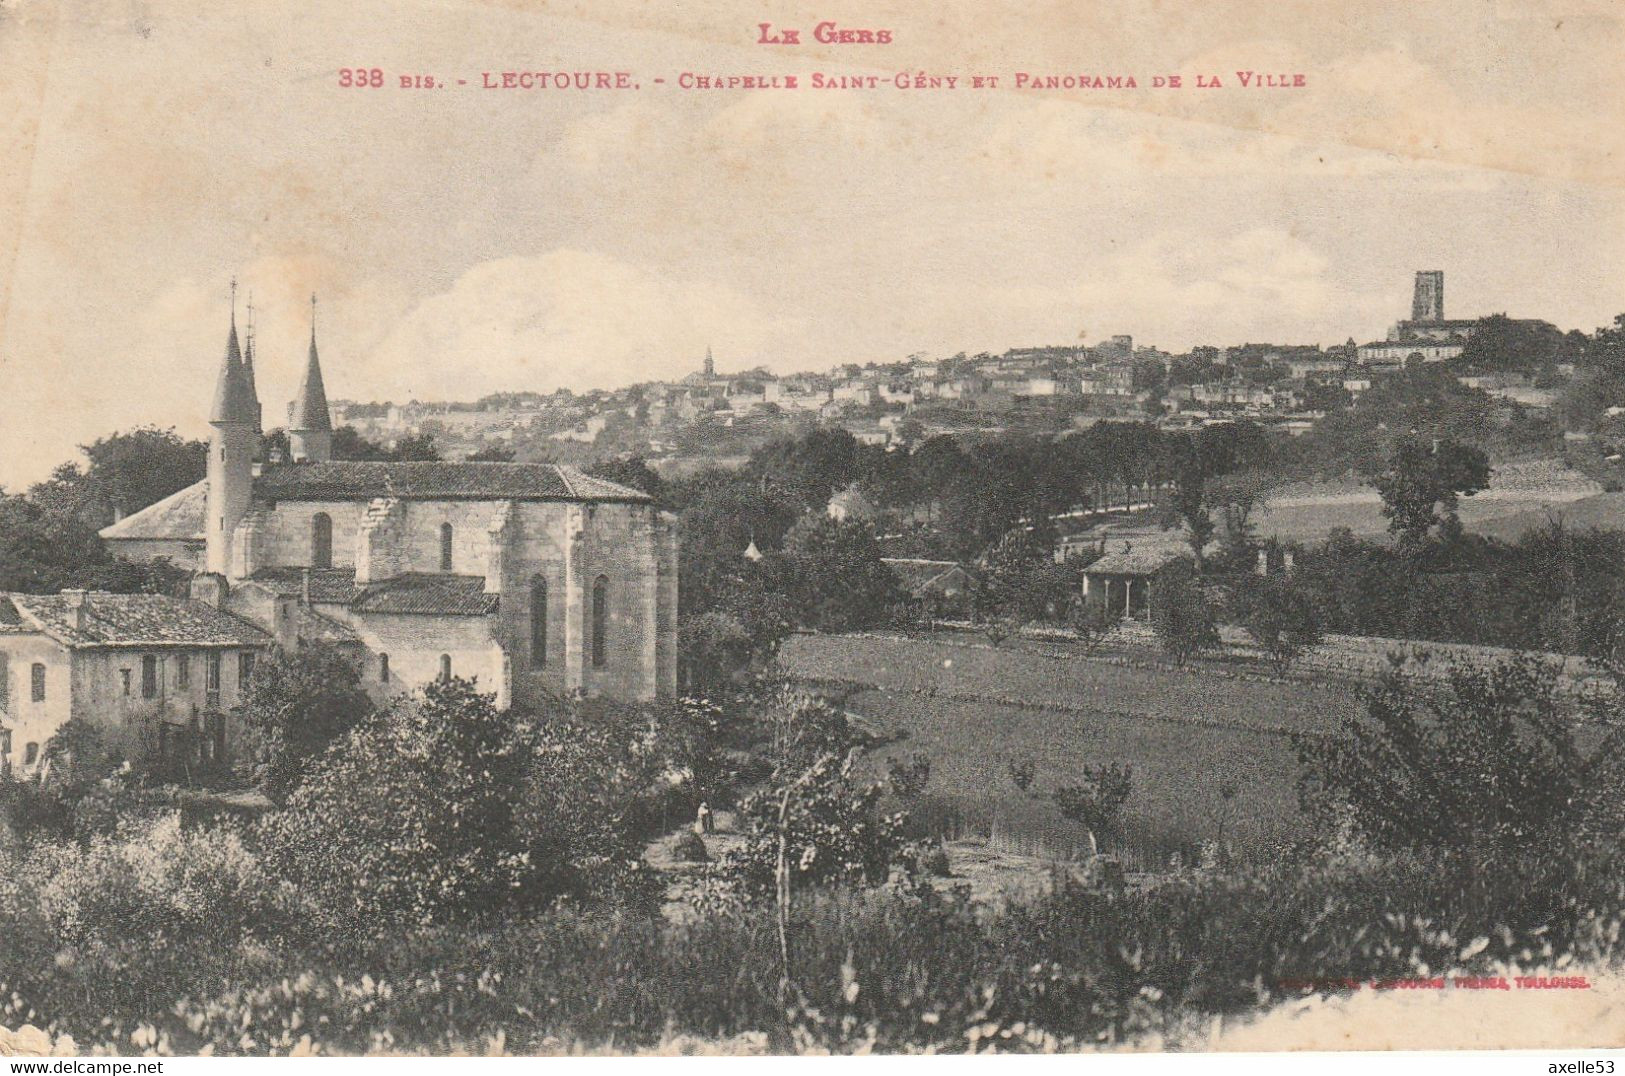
<point x="465" y="241"/>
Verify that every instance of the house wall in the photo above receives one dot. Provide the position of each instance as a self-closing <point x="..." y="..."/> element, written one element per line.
<point x="415" y="643"/>
<point x="29" y="721"/>
<point x="87" y="684"/>
<point x="98" y="690"/>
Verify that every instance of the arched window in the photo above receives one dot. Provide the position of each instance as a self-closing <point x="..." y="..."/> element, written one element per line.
<point x="383" y="668"/>
<point x="445" y="547"/>
<point x="600" y="621"/>
<point x="321" y="540"/>
<point x="538" y="623"/>
<point x="445" y="666"/>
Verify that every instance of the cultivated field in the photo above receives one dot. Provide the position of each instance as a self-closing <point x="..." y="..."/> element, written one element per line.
<point x="1520" y="495"/>
<point x="1189" y="736"/>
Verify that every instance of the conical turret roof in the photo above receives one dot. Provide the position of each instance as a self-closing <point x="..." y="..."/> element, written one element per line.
<point x="233" y="399"/>
<point x="310" y="412"/>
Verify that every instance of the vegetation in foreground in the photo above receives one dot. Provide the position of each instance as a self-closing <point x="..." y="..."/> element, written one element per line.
<point x="383" y="915"/>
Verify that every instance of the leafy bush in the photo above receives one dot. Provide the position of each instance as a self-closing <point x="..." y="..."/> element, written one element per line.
<point x="1097" y="801"/>
<point x="297" y="703"/>
<point x="690" y="848"/>
<point x="1181" y="615"/>
<point x="1493" y="759"/>
<point x="409" y="818"/>
<point x="813" y="813"/>
<point x="1280" y="615"/>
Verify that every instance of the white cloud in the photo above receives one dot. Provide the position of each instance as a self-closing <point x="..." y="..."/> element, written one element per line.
<point x="570" y="318"/>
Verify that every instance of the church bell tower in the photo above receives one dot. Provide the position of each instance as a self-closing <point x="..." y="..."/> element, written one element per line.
<point x="232" y="445"/>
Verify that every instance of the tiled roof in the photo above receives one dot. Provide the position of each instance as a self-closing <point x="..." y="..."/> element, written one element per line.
<point x="414" y="592"/>
<point x="350" y="480"/>
<point x="438" y="595"/>
<point x="177" y="516"/>
<point x="136" y="620"/>
<point x="1147" y="561"/>
<point x="9" y="616"/>
<point x="331" y="585"/>
<point x="309" y="625"/>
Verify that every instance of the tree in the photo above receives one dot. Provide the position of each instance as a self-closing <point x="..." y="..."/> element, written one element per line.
<point x="833" y="574"/>
<point x="1235" y="499"/>
<point x="1091" y="619"/>
<point x="297" y="703"/>
<point x="348" y="444"/>
<point x="1096" y="802"/>
<point x="408" y="819"/>
<point x="1280" y="616"/>
<point x="814" y="821"/>
<point x="43" y="551"/>
<point x="125" y="473"/>
<point x="1422" y="483"/>
<point x="631" y="471"/>
<point x="492" y="454"/>
<point x="1494" y="759"/>
<point x="416" y="448"/>
<point x="1180" y="613"/>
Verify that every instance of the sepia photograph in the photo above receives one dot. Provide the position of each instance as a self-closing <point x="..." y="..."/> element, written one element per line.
<point x="744" y="529"/>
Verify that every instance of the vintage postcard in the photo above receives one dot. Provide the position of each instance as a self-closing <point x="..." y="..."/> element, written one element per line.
<point x="541" y="528"/>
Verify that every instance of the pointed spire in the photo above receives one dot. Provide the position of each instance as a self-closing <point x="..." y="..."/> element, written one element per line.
<point x="248" y="367"/>
<point x="233" y="401"/>
<point x="310" y="407"/>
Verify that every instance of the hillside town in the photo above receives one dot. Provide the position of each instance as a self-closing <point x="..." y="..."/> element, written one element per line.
<point x="712" y="413"/>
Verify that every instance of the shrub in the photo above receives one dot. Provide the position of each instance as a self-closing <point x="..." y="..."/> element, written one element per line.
<point x="409" y="818"/>
<point x="1096" y="803"/>
<point x="297" y="703"/>
<point x="1180" y="613"/>
<point x="690" y="848"/>
<point x="1494" y="758"/>
<point x="814" y="808"/>
<point x="1280" y="616"/>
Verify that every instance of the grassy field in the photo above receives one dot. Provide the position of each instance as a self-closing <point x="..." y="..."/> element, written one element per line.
<point x="1189" y="737"/>
<point x="1519" y="497"/>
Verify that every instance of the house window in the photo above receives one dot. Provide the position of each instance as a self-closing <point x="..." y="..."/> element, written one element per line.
<point x="124" y="680"/>
<point x="183" y="671"/>
<point x="245" y="669"/>
<point x="538" y="623"/>
<point x="321" y="540"/>
<point x="149" y="676"/>
<point x="5" y="748"/>
<point x="37" y="682"/>
<point x="600" y="621"/>
<point x="30" y="754"/>
<point x="383" y="668"/>
<point x="5" y="681"/>
<point x="212" y="677"/>
<point x="445" y="547"/>
<point x="445" y="666"/>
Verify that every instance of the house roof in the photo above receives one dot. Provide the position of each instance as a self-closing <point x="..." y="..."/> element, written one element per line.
<point x="425" y="593"/>
<point x="178" y="516"/>
<point x="309" y="625"/>
<point x="334" y="586"/>
<point x="439" y="595"/>
<point x="1143" y="561"/>
<point x="132" y="620"/>
<point x="465" y="480"/>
